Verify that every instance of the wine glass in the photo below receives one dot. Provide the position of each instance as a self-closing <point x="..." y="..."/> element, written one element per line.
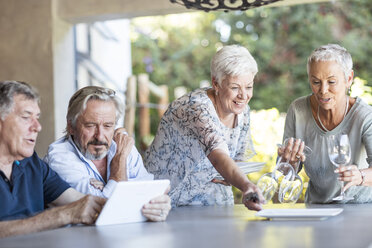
<point x="339" y="152"/>
<point x="268" y="185"/>
<point x="269" y="182"/>
<point x="291" y="185"/>
<point x="284" y="169"/>
<point x="290" y="189"/>
<point x="283" y="179"/>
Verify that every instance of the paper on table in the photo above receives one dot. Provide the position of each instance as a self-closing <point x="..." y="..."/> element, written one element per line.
<point x="127" y="199"/>
<point x="295" y="214"/>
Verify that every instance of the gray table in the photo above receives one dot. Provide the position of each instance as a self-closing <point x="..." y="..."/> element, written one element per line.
<point x="214" y="227"/>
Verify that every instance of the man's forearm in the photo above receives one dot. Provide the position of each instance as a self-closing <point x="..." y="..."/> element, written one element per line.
<point x="49" y="219"/>
<point x="84" y="211"/>
<point x="118" y="169"/>
<point x="118" y="166"/>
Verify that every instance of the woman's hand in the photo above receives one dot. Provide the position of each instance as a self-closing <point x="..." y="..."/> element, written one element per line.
<point x="234" y="176"/>
<point x="350" y="174"/>
<point x="223" y="182"/>
<point x="253" y="198"/>
<point x="292" y="152"/>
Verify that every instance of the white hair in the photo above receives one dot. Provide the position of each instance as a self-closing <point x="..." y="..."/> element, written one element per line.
<point x="332" y="52"/>
<point x="232" y="60"/>
<point x="78" y="102"/>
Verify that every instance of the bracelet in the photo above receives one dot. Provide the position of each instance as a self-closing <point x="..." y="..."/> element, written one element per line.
<point x="362" y="173"/>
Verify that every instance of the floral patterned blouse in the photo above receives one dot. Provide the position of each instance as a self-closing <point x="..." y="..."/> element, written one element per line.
<point x="188" y="132"/>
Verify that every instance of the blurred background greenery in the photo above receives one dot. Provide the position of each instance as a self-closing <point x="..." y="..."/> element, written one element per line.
<point x="176" y="50"/>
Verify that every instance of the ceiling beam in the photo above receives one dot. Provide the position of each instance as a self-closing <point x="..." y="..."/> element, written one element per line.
<point x="76" y="11"/>
<point x="296" y="2"/>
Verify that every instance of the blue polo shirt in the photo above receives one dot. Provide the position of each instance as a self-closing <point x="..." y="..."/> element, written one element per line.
<point x="33" y="185"/>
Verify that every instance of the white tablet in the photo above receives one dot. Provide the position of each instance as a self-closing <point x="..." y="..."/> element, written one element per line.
<point x="127" y="200"/>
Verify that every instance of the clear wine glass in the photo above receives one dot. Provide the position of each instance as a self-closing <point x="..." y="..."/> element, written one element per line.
<point x="268" y="186"/>
<point x="283" y="179"/>
<point x="339" y="152"/>
<point x="290" y="190"/>
<point x="269" y="183"/>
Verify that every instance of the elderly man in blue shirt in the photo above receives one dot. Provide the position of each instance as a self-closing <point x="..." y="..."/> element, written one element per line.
<point x="92" y="157"/>
<point x="27" y="184"/>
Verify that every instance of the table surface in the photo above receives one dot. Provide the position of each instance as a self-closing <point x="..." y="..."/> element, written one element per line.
<point x="216" y="226"/>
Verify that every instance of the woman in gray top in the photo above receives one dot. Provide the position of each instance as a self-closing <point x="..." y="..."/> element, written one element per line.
<point x="329" y="111"/>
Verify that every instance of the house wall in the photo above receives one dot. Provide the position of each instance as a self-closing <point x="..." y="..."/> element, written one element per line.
<point x="26" y="54"/>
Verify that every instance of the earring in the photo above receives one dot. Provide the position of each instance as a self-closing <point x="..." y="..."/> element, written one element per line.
<point x="216" y="93"/>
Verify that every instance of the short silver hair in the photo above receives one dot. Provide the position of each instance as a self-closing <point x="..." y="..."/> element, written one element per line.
<point x="78" y="102"/>
<point x="9" y="89"/>
<point x="232" y="60"/>
<point x="332" y="52"/>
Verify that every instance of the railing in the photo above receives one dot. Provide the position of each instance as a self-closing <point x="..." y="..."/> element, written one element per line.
<point x="145" y="87"/>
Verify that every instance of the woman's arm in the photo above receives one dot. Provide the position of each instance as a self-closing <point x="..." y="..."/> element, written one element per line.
<point x="354" y="176"/>
<point x="233" y="175"/>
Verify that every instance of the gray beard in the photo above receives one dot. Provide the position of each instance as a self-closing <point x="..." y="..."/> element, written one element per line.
<point x="89" y="155"/>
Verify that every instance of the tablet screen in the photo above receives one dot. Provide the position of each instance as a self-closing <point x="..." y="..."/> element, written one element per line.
<point x="127" y="200"/>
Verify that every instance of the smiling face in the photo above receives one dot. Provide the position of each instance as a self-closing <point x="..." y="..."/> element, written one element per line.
<point x="328" y="83"/>
<point x="234" y="93"/>
<point x="94" y="129"/>
<point x="19" y="129"/>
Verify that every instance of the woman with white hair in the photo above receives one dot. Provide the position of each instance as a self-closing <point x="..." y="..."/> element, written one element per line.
<point x="329" y="110"/>
<point x="204" y="132"/>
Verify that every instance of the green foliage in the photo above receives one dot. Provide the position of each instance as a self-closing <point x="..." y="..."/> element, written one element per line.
<point x="359" y="88"/>
<point x="267" y="128"/>
<point x="176" y="49"/>
<point x="179" y="54"/>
